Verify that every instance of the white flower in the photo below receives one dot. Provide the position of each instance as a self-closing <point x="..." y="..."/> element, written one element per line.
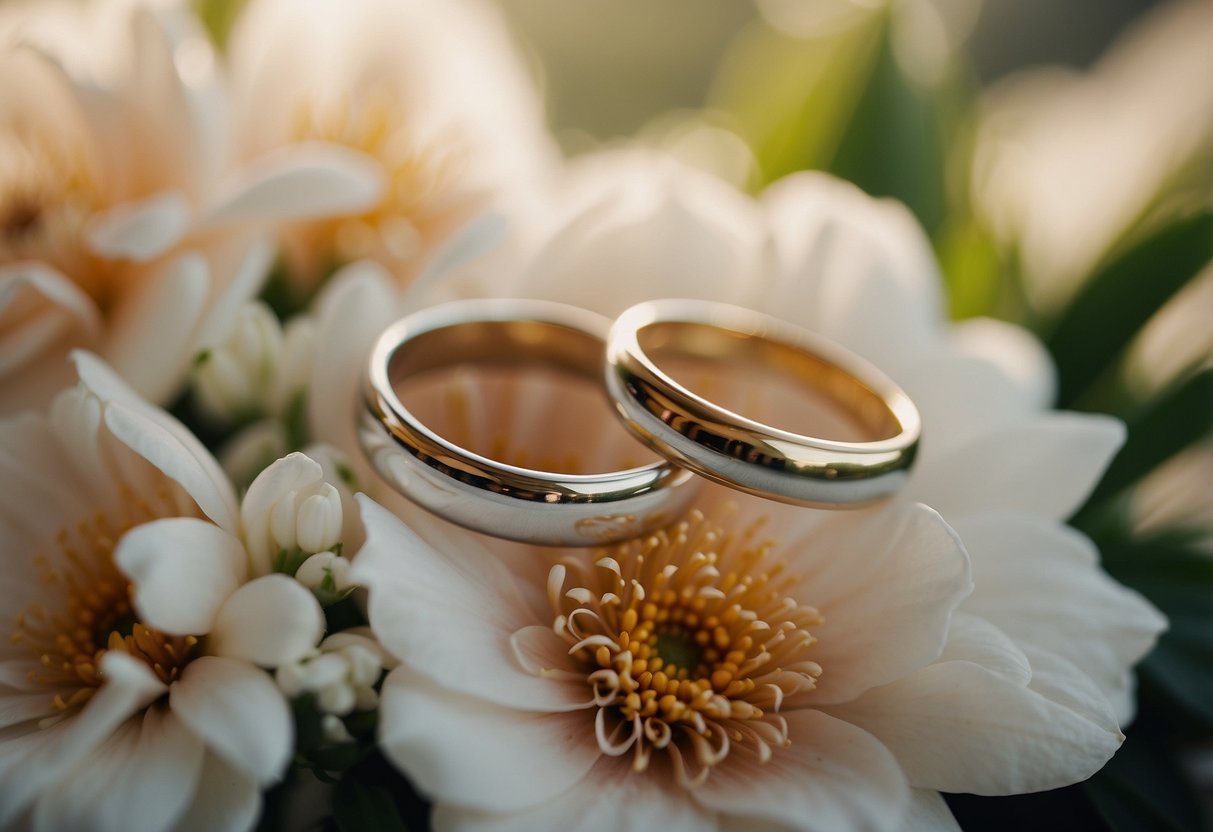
<point x="1068" y="162"/>
<point x="435" y="92"/>
<point x="1013" y="687"/>
<point x="124" y="226"/>
<point x="341" y="673"/>
<point x="133" y="691"/>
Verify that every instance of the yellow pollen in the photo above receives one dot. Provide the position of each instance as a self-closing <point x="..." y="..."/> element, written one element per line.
<point x="697" y="630"/>
<point x="92" y="608"/>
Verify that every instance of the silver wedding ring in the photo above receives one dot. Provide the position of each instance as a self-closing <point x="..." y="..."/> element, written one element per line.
<point x="484" y="494"/>
<point x="742" y="453"/>
<point x="693" y="433"/>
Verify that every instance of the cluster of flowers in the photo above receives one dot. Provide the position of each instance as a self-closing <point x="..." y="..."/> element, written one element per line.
<point x="224" y="235"/>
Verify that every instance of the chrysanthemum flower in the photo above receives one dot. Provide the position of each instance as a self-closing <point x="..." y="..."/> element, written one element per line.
<point x="766" y="664"/>
<point x="124" y="226"/>
<point x="435" y="92"/>
<point x="144" y="613"/>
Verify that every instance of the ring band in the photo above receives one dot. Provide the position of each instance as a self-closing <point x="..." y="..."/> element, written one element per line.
<point x="490" y="496"/>
<point x="742" y="453"/>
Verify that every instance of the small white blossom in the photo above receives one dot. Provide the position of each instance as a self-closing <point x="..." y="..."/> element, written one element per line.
<point x="290" y="507"/>
<point x="341" y="674"/>
<point x="234" y="377"/>
<point x="322" y="567"/>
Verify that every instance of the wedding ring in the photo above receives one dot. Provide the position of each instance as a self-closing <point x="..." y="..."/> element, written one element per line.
<point x="484" y="494"/>
<point x="745" y="454"/>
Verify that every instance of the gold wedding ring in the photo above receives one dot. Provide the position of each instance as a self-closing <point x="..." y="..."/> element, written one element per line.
<point x="742" y="453"/>
<point x="484" y="494"/>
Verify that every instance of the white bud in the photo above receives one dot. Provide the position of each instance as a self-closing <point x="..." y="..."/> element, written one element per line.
<point x="294" y="364"/>
<point x="246" y="454"/>
<point x="290" y="507"/>
<point x="235" y="376"/>
<point x="334" y="729"/>
<point x="336" y="699"/>
<point x="325" y="565"/>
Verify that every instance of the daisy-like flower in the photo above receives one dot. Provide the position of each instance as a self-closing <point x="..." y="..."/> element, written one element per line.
<point x="765" y="664"/>
<point x="124" y="226"/>
<point x="144" y="614"/>
<point x="435" y="92"/>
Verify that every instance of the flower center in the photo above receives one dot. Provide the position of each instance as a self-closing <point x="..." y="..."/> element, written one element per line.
<point x="88" y="611"/>
<point x="689" y="642"/>
<point x="423" y="201"/>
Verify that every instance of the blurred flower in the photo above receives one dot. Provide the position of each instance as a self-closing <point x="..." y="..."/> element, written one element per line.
<point x="133" y="691"/>
<point x="342" y="674"/>
<point x="1014" y="687"/>
<point x="433" y="91"/>
<point x="1068" y="163"/>
<point x="123" y="225"/>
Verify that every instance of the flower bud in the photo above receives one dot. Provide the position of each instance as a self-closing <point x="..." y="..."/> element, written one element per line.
<point x="322" y="567"/>
<point x="233" y="377"/>
<point x="290" y="508"/>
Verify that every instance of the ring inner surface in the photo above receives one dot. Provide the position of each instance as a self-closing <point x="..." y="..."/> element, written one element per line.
<point x="769" y="381"/>
<point x="523" y="393"/>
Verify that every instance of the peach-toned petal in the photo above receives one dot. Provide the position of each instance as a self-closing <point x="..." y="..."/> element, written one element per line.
<point x="140" y="230"/>
<point x="479" y="755"/>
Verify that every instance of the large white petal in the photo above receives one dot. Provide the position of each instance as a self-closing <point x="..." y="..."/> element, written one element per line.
<point x="831" y="776"/>
<point x="161" y="440"/>
<point x="1019" y="355"/>
<point x="152" y="326"/>
<point x="140" y="230"/>
<point x="856" y="269"/>
<point x="928" y="813"/>
<point x="886" y="583"/>
<point x="451" y="615"/>
<point x="1042" y="584"/>
<point x="183" y="569"/>
<point x="478" y="755"/>
<point x="641" y="226"/>
<point x="31" y="760"/>
<point x="355" y="307"/>
<point x="610" y="798"/>
<point x="293" y="472"/>
<point x="226" y="798"/>
<point x="43" y="315"/>
<point x="299" y="181"/>
<point x="956" y="726"/>
<point x="140" y="779"/>
<point x="270" y="621"/>
<point x="240" y="714"/>
<point x="1044" y="465"/>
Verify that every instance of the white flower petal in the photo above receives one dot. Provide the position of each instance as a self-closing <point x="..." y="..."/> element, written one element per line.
<point x="151" y="329"/>
<point x="355" y="307"/>
<point x="246" y="262"/>
<point x="1086" y="617"/>
<point x="293" y="472"/>
<point x="832" y="776"/>
<point x="886" y="582"/>
<point x="269" y="621"/>
<point x="140" y="230"/>
<point x="183" y="569"/>
<point x="298" y="181"/>
<point x="856" y="269"/>
<point x="610" y="798"/>
<point x="973" y="639"/>
<point x="161" y="440"/>
<point x="225" y="798"/>
<point x="140" y="779"/>
<point x="238" y="713"/>
<point x="30" y="761"/>
<point x="477" y="754"/>
<point x="1016" y="351"/>
<point x="451" y="615"/>
<point x="958" y="727"/>
<point x="928" y="813"/>
<point x="1045" y="465"/>
<point x="43" y="315"/>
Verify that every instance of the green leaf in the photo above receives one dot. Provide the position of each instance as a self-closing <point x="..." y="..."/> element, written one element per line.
<point x="219" y="16"/>
<point x="359" y="806"/>
<point x="1093" y="331"/>
<point x="971" y="266"/>
<point x="1141" y="790"/>
<point x="792" y="98"/>
<point x="1166" y="425"/>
